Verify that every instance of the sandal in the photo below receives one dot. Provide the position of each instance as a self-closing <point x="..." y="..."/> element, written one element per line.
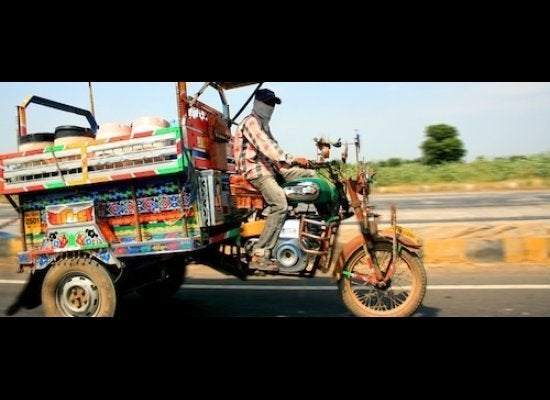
<point x="262" y="264"/>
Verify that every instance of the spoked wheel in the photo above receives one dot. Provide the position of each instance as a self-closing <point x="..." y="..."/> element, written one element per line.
<point x="399" y="298"/>
<point x="78" y="288"/>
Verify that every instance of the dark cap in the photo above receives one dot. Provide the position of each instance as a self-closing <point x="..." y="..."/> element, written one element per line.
<point x="266" y="95"/>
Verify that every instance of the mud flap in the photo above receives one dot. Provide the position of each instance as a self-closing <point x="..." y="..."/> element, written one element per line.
<point x="31" y="295"/>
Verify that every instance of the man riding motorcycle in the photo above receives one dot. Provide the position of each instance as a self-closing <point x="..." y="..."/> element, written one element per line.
<point x="260" y="159"/>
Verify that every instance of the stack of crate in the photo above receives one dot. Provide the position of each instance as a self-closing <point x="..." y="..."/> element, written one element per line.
<point x="207" y="137"/>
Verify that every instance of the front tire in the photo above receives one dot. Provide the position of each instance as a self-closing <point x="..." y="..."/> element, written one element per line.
<point x="78" y="287"/>
<point x="401" y="298"/>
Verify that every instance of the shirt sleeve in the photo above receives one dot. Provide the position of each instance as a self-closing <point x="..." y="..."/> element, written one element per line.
<point x="264" y="144"/>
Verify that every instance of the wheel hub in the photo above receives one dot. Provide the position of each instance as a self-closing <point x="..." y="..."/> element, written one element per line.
<point x="78" y="296"/>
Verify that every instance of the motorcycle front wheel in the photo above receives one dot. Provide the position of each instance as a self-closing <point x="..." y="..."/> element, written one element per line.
<point x="403" y="293"/>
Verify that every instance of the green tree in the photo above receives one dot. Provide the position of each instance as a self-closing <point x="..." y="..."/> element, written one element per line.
<point x="442" y="145"/>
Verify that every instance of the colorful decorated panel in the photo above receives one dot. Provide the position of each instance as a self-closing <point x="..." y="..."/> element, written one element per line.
<point x="156" y="247"/>
<point x="63" y="214"/>
<point x="124" y="213"/>
<point x="143" y="217"/>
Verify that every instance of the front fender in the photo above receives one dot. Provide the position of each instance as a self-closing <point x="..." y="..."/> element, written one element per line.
<point x="405" y="237"/>
<point x="347" y="251"/>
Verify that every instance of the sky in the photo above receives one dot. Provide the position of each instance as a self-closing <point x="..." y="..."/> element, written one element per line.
<point x="493" y="119"/>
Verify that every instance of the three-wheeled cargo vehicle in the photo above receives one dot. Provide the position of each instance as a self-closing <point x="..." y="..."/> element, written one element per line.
<point x="110" y="209"/>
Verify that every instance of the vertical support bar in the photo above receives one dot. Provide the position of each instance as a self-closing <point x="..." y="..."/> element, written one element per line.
<point x="21" y="222"/>
<point x="178" y="105"/>
<point x="22" y="234"/>
<point x="137" y="224"/>
<point x="183" y="211"/>
<point x="182" y="102"/>
<point x="92" y="108"/>
<point x="226" y="111"/>
<point x="21" y="121"/>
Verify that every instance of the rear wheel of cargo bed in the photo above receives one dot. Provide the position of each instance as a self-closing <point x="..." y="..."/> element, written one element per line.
<point x="78" y="287"/>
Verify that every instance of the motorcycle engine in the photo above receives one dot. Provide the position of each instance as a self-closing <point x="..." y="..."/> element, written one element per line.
<point x="289" y="256"/>
<point x="287" y="252"/>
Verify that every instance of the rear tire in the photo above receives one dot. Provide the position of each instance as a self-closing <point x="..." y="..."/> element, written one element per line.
<point x="404" y="294"/>
<point x="78" y="287"/>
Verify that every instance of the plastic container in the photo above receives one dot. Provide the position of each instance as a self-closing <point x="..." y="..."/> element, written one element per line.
<point x="68" y="134"/>
<point x="113" y="130"/>
<point x="148" y="124"/>
<point x="36" y="141"/>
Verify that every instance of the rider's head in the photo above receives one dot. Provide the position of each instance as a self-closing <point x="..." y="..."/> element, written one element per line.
<point x="268" y="97"/>
<point x="264" y="104"/>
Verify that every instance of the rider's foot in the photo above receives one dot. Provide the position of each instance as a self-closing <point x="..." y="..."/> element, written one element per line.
<point x="262" y="264"/>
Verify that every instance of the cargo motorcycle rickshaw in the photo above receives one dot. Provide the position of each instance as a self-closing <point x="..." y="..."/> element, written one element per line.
<point x="105" y="215"/>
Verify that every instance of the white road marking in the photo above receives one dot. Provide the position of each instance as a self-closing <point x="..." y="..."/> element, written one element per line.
<point x="13" y="282"/>
<point x="258" y="287"/>
<point x="488" y="287"/>
<point x="334" y="287"/>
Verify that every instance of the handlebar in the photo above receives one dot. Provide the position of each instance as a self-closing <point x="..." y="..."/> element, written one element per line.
<point x="311" y="164"/>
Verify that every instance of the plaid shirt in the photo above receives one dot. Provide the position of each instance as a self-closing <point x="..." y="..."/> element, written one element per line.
<point x="256" y="151"/>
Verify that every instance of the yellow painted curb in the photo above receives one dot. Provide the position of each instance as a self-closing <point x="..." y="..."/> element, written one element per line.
<point x="445" y="251"/>
<point x="537" y="249"/>
<point x="534" y="249"/>
<point x="514" y="251"/>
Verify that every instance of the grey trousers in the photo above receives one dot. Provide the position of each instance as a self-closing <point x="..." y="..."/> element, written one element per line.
<point x="275" y="197"/>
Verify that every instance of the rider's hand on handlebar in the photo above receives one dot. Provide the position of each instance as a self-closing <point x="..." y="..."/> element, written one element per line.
<point x="301" y="162"/>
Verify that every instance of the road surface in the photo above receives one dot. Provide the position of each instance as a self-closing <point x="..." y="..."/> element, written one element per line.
<point x="453" y="291"/>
